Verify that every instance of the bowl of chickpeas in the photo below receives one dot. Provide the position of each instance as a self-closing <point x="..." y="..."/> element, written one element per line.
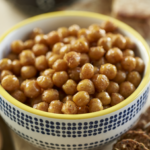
<point x="72" y="80"/>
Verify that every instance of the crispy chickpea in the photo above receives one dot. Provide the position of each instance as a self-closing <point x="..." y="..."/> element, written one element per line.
<point x="39" y="49"/>
<point x="87" y="71"/>
<point x="82" y="33"/>
<point x="35" y="32"/>
<point x="105" y="42"/>
<point x="86" y="85"/>
<point x="65" y="49"/>
<point x="17" y="46"/>
<point x="74" y="74"/>
<point x="69" y="108"/>
<point x="95" y="105"/>
<point x="63" y="32"/>
<point x="100" y="62"/>
<point x="50" y="95"/>
<point x="5" y="64"/>
<point x="114" y="55"/>
<point x="55" y="107"/>
<point x="53" y="37"/>
<point x="16" y="67"/>
<point x="119" y="41"/>
<point x="52" y="59"/>
<point x="96" y="53"/>
<point x="12" y="56"/>
<point x="128" y="63"/>
<point x="134" y="77"/>
<point x="84" y="58"/>
<point x="28" y="72"/>
<point x="60" y="65"/>
<point x="120" y="76"/>
<point x="48" y="55"/>
<point x="101" y="82"/>
<point x="126" y="89"/>
<point x="56" y="48"/>
<point x="116" y="98"/>
<point x="28" y="44"/>
<point x="128" y="52"/>
<point x="10" y="83"/>
<point x="19" y="95"/>
<point x="113" y="87"/>
<point x="45" y="82"/>
<point x="41" y="63"/>
<point x="43" y="106"/>
<point x="108" y="26"/>
<point x="69" y="40"/>
<point x="104" y="98"/>
<point x="32" y="89"/>
<point x="23" y="84"/>
<point x="70" y="87"/>
<point x="49" y="72"/>
<point x="73" y="29"/>
<point x="5" y="73"/>
<point x="129" y="44"/>
<point x="81" y="98"/>
<point x="35" y="100"/>
<point x="72" y="59"/>
<point x="139" y="65"/>
<point x="83" y="110"/>
<point x="59" y="78"/>
<point x="41" y="39"/>
<point x="67" y="98"/>
<point x="109" y="70"/>
<point x="96" y="70"/>
<point x="27" y="58"/>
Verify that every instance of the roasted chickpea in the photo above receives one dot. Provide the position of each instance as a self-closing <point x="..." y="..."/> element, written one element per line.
<point x="126" y="89"/>
<point x="56" y="48"/>
<point x="104" y="98"/>
<point x="96" y="53"/>
<point x="72" y="59"/>
<point x="52" y="59"/>
<point x="95" y="105"/>
<point x="128" y="52"/>
<point x="87" y="71"/>
<point x="116" y="98"/>
<point x="5" y="64"/>
<point x="83" y="110"/>
<point x="120" y="76"/>
<point x="67" y="98"/>
<point x="41" y="39"/>
<point x="59" y="78"/>
<point x="53" y="37"/>
<point x="73" y="29"/>
<point x="19" y="95"/>
<point x="48" y="55"/>
<point x="35" y="100"/>
<point x="16" y="67"/>
<point x="63" y="32"/>
<point x="119" y="41"/>
<point x="35" y="32"/>
<point x="70" y="87"/>
<point x="41" y="63"/>
<point x="65" y="49"/>
<point x="10" y="83"/>
<point x="100" y="62"/>
<point x="28" y="44"/>
<point x="81" y="98"/>
<point x="50" y="95"/>
<point x="134" y="77"/>
<point x="101" y="82"/>
<point x="96" y="70"/>
<point x="109" y="70"/>
<point x="128" y="63"/>
<point x="60" y="65"/>
<point x="39" y="49"/>
<point x="43" y="106"/>
<point x="5" y="73"/>
<point x="139" y="65"/>
<point x="86" y="85"/>
<point x="108" y="26"/>
<point x="113" y="87"/>
<point x="49" y="72"/>
<point x="129" y="44"/>
<point x="74" y="74"/>
<point x="84" y="58"/>
<point x="69" y="40"/>
<point x="28" y="72"/>
<point x="12" y="56"/>
<point x="45" y="82"/>
<point x="82" y="33"/>
<point x="69" y="108"/>
<point x="23" y="84"/>
<point x="114" y="55"/>
<point x="17" y="46"/>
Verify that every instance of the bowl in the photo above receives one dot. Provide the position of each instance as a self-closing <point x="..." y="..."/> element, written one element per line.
<point x="67" y="132"/>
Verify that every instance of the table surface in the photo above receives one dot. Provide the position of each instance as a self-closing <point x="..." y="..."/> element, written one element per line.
<point x="10" y="15"/>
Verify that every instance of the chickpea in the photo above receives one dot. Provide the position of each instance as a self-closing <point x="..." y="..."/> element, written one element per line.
<point x="114" y="55"/>
<point x="86" y="85"/>
<point x="108" y="26"/>
<point x="119" y="41"/>
<point x="84" y="58"/>
<point x="73" y="29"/>
<point x="43" y="106"/>
<point x="69" y="40"/>
<point x="59" y="78"/>
<point x="70" y="87"/>
<point x="96" y="53"/>
<point x="35" y="32"/>
<point x="116" y="98"/>
<point x="113" y="87"/>
<point x="17" y="46"/>
<point x="28" y="44"/>
<point x="28" y="72"/>
<point x="35" y="100"/>
<point x="83" y="110"/>
<point x="95" y="105"/>
<point x="63" y="32"/>
<point x="27" y="58"/>
<point x="101" y="82"/>
<point x="126" y="89"/>
<point x="41" y="63"/>
<point x="45" y="82"/>
<point x="50" y="95"/>
<point x="5" y="73"/>
<point x="12" y="56"/>
<point x="82" y="33"/>
<point x="48" y="72"/>
<point x="109" y="70"/>
<point x="105" y="42"/>
<point x="87" y="71"/>
<point x="41" y="39"/>
<point x="139" y="65"/>
<point x="128" y="52"/>
<point x="120" y="76"/>
<point x="104" y="98"/>
<point x="5" y="64"/>
<point x="60" y="65"/>
<point x="16" y="67"/>
<point x="128" y="63"/>
<point x="19" y="95"/>
<point x="100" y="62"/>
<point x="49" y="55"/>
<point x="72" y="59"/>
<point x="129" y="43"/>
<point x="69" y="108"/>
<point x="67" y="98"/>
<point x="74" y="74"/>
<point x="134" y="77"/>
<point x="52" y="59"/>
<point x="23" y="84"/>
<point x="65" y="49"/>
<point x="55" y="107"/>
<point x="53" y="37"/>
<point x="96" y="70"/>
<point x="10" y="83"/>
<point x="39" y="49"/>
<point x="56" y="48"/>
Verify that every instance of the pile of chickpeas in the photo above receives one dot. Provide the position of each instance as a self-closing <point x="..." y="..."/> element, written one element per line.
<point x="72" y="70"/>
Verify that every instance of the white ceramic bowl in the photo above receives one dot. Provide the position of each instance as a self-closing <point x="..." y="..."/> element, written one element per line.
<point x="67" y="132"/>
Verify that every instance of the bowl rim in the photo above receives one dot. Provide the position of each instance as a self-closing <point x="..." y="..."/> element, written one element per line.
<point x="120" y="24"/>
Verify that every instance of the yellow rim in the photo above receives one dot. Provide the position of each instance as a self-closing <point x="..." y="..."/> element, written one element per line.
<point x="138" y="91"/>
